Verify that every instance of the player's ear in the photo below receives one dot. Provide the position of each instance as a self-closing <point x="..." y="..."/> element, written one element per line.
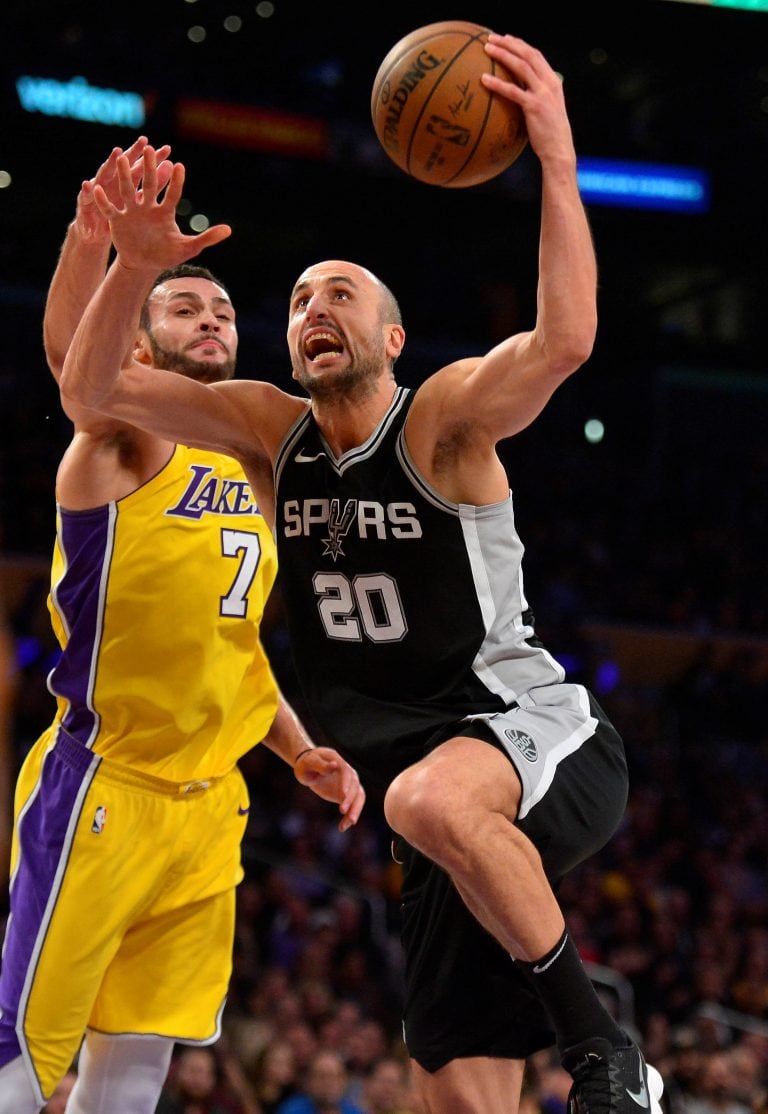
<point x="142" y="352"/>
<point x="394" y="340"/>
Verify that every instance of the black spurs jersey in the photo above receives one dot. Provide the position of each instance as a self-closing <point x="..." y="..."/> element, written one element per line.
<point x="406" y="612"/>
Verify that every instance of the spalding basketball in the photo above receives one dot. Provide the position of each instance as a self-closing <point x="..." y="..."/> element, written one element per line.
<point x="433" y="115"/>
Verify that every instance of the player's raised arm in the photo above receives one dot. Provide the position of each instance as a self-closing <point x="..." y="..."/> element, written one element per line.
<point x="509" y="387"/>
<point x="84" y="253"/>
<point x="96" y="375"/>
<point x="147" y="240"/>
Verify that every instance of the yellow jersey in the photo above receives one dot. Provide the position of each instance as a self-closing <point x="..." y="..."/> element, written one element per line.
<point x="156" y="600"/>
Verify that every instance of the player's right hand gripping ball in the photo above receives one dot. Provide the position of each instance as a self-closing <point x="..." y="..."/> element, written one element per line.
<point x="435" y="118"/>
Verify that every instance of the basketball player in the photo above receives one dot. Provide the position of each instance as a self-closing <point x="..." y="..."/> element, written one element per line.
<point x="412" y="636"/>
<point x="130" y="808"/>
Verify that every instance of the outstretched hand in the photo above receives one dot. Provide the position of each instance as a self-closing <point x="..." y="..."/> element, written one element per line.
<point x="91" y="224"/>
<point x="326" y="773"/>
<point x="142" y="221"/>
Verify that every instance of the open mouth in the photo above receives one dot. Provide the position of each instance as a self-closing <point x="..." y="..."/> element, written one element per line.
<point x="322" y="344"/>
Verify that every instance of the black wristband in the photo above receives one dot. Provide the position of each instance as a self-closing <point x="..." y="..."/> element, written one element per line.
<point x="301" y="755"/>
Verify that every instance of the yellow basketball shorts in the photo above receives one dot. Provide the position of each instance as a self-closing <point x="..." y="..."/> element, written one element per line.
<point x="122" y="905"/>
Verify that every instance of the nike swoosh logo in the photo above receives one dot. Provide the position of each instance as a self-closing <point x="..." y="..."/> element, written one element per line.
<point x="540" y="968"/>
<point x="243" y="811"/>
<point x="641" y="1096"/>
<point x="302" y="458"/>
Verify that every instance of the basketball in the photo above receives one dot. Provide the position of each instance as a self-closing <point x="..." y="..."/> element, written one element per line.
<point x="432" y="114"/>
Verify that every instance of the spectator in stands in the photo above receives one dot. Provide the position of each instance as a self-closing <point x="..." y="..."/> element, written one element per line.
<point x="323" y="1089"/>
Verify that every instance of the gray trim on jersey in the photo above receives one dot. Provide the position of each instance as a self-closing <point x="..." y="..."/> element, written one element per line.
<point x="495" y="551"/>
<point x="547" y="725"/>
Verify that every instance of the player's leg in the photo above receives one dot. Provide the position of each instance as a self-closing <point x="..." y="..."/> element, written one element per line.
<point x="52" y="967"/>
<point x="466" y="808"/>
<point x="171" y="974"/>
<point x="475" y="1085"/>
<point x="458" y="807"/>
<point x="17" y="1095"/>
<point x="470" y="1018"/>
<point x="124" y="1073"/>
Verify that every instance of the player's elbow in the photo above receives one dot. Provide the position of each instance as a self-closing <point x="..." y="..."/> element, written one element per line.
<point x="569" y="350"/>
<point x="77" y="389"/>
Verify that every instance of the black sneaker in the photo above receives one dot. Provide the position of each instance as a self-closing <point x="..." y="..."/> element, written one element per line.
<point x="608" y="1080"/>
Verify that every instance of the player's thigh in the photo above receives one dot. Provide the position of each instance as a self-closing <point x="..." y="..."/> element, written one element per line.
<point x="572" y="767"/>
<point x="171" y="974"/>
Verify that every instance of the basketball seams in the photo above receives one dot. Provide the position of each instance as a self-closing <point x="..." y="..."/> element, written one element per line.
<point x="434" y="89"/>
<point x="409" y="44"/>
<point x="418" y="44"/>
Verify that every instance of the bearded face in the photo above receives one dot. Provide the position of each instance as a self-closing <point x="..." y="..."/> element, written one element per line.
<point x="189" y="327"/>
<point x="185" y="363"/>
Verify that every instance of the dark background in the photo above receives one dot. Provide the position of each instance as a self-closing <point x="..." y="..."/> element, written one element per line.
<point x="651" y="80"/>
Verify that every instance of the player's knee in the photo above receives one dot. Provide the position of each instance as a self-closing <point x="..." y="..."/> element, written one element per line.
<point x="415" y="808"/>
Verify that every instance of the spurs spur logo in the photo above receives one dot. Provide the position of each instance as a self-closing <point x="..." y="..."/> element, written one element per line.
<point x="339" y="523"/>
<point x="524" y="744"/>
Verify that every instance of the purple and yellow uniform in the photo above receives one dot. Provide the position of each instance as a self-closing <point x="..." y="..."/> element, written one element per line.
<point x="122" y="905"/>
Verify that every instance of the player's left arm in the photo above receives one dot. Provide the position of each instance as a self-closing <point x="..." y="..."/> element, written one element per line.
<point x="507" y="388"/>
<point x="321" y="769"/>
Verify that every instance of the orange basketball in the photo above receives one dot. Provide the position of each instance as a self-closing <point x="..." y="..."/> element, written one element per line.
<point x="432" y="114"/>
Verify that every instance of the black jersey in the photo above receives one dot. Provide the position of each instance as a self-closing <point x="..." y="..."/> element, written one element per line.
<point x="406" y="612"/>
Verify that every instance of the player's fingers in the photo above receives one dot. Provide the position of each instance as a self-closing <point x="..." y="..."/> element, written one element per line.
<point x="210" y="237"/>
<point x="106" y="171"/>
<point x="103" y="204"/>
<point x="125" y="187"/>
<point x="136" y="148"/>
<point x="149" y="173"/>
<point x="352" y="814"/>
<point x="164" y="170"/>
<point x="175" y="185"/>
<point x="350" y="787"/>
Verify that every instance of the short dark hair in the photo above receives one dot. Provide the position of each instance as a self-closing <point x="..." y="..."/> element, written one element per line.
<point x="183" y="270"/>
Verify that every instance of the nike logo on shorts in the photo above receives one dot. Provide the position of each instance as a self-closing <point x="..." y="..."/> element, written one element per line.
<point x="243" y="811"/>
